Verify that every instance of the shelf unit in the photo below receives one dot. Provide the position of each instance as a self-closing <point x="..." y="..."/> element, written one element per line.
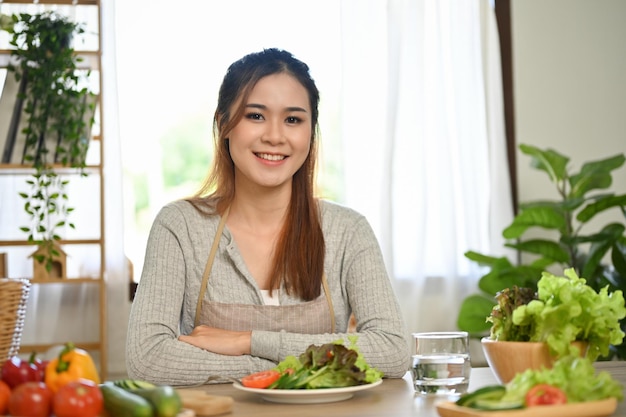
<point x="91" y="59"/>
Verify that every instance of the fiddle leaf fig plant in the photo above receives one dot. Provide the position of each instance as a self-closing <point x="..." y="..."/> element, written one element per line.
<point x="598" y="256"/>
<point x="55" y="101"/>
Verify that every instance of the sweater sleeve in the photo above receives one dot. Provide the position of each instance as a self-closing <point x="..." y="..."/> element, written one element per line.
<point x="359" y="284"/>
<point x="153" y="351"/>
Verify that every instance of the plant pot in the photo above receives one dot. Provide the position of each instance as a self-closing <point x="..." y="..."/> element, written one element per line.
<point x="506" y="359"/>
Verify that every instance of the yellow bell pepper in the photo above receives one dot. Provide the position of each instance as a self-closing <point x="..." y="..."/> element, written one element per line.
<point x="71" y="365"/>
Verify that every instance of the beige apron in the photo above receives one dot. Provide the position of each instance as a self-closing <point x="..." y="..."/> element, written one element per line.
<point x="312" y="317"/>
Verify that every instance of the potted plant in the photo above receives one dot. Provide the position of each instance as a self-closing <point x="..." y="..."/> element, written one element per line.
<point x="580" y="197"/>
<point x="565" y="316"/>
<point x="56" y="110"/>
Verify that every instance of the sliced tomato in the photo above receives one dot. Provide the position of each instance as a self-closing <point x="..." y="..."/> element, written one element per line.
<point x="544" y="394"/>
<point x="261" y="379"/>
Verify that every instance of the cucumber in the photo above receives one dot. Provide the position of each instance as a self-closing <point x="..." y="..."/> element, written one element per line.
<point x="119" y="402"/>
<point x="132" y="384"/>
<point x="497" y="405"/>
<point x="488" y="393"/>
<point x="164" y="399"/>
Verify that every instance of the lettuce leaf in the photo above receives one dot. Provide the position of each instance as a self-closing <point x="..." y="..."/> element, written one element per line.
<point x="567" y="309"/>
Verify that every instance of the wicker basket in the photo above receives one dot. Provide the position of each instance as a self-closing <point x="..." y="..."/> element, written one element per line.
<point x="13" y="298"/>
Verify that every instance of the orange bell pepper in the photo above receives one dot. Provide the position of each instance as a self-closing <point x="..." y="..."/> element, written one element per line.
<point x="71" y="365"/>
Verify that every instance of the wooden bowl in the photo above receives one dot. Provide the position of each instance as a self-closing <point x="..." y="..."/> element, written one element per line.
<point x="506" y="359"/>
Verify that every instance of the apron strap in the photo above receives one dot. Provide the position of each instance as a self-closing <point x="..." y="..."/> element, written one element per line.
<point x="329" y="301"/>
<point x="209" y="264"/>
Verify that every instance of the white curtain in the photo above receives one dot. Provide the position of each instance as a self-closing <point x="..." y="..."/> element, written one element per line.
<point x="424" y="145"/>
<point x="117" y="268"/>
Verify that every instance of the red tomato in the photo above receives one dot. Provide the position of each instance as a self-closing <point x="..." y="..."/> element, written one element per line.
<point x="261" y="379"/>
<point x="81" y="398"/>
<point x="31" y="399"/>
<point x="544" y="394"/>
<point x="5" y="394"/>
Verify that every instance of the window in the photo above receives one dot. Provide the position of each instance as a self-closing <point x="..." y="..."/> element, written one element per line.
<point x="169" y="72"/>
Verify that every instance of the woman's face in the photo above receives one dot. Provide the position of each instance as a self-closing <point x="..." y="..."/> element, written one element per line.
<point x="272" y="139"/>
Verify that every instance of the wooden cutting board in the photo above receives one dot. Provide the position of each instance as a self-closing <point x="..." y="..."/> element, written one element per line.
<point x="203" y="404"/>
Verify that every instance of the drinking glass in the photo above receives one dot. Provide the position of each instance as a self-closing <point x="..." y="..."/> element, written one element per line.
<point x="441" y="364"/>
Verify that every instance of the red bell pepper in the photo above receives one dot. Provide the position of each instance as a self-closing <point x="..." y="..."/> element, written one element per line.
<point x="16" y="371"/>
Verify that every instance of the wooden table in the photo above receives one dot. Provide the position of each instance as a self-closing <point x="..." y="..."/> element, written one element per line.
<point x="393" y="398"/>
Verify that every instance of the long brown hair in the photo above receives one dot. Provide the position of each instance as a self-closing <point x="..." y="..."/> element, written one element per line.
<point x="299" y="254"/>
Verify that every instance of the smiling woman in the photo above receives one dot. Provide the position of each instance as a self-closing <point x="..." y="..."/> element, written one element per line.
<point x="256" y="224"/>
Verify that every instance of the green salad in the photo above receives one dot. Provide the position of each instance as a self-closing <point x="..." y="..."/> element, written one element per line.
<point x="572" y="375"/>
<point x="331" y="365"/>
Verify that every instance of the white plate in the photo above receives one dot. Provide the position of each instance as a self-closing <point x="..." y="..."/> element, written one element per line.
<point x="307" y="396"/>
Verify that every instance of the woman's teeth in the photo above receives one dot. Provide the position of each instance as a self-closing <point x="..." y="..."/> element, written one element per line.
<point x="270" y="157"/>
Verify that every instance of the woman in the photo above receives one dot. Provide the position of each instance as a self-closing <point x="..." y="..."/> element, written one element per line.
<point x="254" y="267"/>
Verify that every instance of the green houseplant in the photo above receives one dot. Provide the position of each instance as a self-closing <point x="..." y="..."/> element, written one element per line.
<point x="57" y="115"/>
<point x="580" y="196"/>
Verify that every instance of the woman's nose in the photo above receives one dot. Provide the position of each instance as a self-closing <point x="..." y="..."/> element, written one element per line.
<point x="273" y="133"/>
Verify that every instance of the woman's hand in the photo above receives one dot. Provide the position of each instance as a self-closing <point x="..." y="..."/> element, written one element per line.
<point x="224" y="342"/>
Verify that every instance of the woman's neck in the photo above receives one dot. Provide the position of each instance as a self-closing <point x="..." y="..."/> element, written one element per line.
<point x="261" y="212"/>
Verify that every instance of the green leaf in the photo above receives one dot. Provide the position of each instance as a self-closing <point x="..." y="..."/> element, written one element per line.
<point x="550" y="161"/>
<point x="547" y="248"/>
<point x="541" y="264"/>
<point x="595" y="175"/>
<point x="500" y="278"/>
<point x="601" y="205"/>
<point x="545" y="217"/>
<point x="618" y="258"/>
<point x="473" y="314"/>
<point x="485" y="260"/>
<point x="600" y="248"/>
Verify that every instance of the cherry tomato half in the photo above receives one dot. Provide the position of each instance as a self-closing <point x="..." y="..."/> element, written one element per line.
<point x="31" y="399"/>
<point x="261" y="379"/>
<point x="544" y="394"/>
<point x="81" y="398"/>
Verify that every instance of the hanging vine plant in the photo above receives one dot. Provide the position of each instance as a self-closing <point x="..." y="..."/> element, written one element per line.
<point x="57" y="115"/>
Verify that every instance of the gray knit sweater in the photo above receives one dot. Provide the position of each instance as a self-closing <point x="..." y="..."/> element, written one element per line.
<point x="165" y="302"/>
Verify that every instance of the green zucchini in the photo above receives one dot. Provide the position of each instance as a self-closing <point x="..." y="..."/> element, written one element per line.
<point x="164" y="399"/>
<point x="119" y="402"/>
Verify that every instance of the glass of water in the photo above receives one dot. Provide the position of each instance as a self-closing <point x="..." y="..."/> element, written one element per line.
<point x="441" y="364"/>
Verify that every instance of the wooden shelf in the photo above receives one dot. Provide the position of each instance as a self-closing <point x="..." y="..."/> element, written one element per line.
<point x="66" y="2"/>
<point x="61" y="242"/>
<point x="39" y="348"/>
<point x="91" y="60"/>
<point x="66" y="281"/>
<point x="18" y="169"/>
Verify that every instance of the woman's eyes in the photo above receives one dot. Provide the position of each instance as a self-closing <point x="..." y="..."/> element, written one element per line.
<point x="292" y="120"/>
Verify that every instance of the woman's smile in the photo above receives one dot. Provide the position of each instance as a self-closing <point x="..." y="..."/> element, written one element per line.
<point x="270" y="157"/>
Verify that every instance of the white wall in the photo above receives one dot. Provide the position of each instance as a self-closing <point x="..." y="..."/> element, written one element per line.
<point x="570" y="84"/>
